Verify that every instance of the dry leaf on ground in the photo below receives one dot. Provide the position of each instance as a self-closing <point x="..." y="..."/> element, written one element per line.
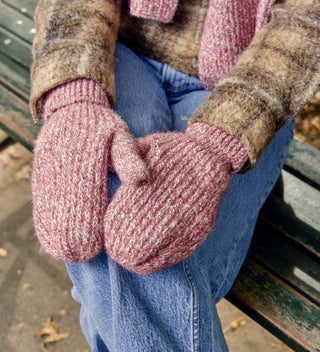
<point x="4" y="159"/>
<point x="26" y="286"/>
<point x="235" y="324"/>
<point x="12" y="152"/>
<point x="24" y="173"/>
<point x="7" y="154"/>
<point x="3" y="253"/>
<point x="51" y="329"/>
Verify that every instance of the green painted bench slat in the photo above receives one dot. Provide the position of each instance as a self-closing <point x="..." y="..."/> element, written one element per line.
<point x="293" y="209"/>
<point x="17" y="22"/>
<point x="276" y="306"/>
<point x="14" y="76"/>
<point x="303" y="159"/>
<point x="286" y="261"/>
<point x="16" y="49"/>
<point x="27" y="7"/>
<point x="279" y="284"/>
<point x="15" y="118"/>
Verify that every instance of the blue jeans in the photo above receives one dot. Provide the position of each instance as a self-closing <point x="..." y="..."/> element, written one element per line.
<point x="174" y="309"/>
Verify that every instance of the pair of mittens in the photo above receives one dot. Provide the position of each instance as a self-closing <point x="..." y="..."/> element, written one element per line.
<point x="172" y="183"/>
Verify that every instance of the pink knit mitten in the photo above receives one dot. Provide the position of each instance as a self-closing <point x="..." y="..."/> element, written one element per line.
<point x="69" y="179"/>
<point x="154" y="225"/>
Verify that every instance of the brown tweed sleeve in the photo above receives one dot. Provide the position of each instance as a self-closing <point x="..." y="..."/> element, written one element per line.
<point x="74" y="38"/>
<point x="273" y="79"/>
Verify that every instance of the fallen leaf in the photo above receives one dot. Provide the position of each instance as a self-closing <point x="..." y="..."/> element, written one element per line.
<point x="12" y="152"/>
<point x="26" y="286"/>
<point x="24" y="173"/>
<point x="51" y="330"/>
<point x="234" y="325"/>
<point x="62" y="312"/>
<point x="20" y="326"/>
<point x="3" y="253"/>
<point x="4" y="159"/>
<point x="7" y="154"/>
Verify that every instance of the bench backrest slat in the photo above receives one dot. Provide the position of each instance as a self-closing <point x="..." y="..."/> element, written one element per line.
<point x="293" y="209"/>
<point x="16" y="48"/>
<point x="16" y="22"/>
<point x="304" y="160"/>
<point x="287" y="262"/>
<point x="15" y="118"/>
<point x="15" y="77"/>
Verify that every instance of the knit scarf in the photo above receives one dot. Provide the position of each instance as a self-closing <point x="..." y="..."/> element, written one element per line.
<point x="229" y="28"/>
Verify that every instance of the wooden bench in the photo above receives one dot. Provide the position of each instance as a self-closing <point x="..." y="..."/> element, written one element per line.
<point x="279" y="284"/>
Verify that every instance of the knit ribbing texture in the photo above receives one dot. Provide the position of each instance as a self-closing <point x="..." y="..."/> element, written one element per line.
<point x="69" y="178"/>
<point x="229" y="28"/>
<point x="160" y="10"/>
<point x="161" y="222"/>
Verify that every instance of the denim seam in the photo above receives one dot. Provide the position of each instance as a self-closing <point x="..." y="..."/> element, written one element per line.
<point x="176" y="90"/>
<point x="169" y="75"/>
<point x="164" y="73"/>
<point x="194" y="307"/>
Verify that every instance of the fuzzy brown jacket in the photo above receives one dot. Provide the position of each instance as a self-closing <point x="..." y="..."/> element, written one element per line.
<point x="273" y="79"/>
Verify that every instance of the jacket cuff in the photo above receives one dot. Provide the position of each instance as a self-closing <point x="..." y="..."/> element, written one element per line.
<point x="241" y="114"/>
<point x="64" y="64"/>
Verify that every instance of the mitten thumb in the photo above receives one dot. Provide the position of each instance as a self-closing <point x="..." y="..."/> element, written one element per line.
<point x="144" y="143"/>
<point x="125" y="159"/>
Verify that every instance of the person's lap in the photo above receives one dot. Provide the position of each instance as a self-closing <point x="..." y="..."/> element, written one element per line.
<point x="174" y="309"/>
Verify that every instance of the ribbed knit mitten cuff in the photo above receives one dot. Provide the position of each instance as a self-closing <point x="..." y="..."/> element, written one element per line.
<point x="161" y="10"/>
<point x="79" y="90"/>
<point x="219" y="142"/>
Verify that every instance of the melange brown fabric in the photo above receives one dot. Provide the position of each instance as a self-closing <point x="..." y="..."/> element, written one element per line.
<point x="274" y="78"/>
<point x="276" y="75"/>
<point x="74" y="39"/>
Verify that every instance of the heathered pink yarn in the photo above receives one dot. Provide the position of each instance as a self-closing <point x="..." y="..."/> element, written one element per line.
<point x="229" y="28"/>
<point x="154" y="225"/>
<point x="160" y="10"/>
<point x="69" y="179"/>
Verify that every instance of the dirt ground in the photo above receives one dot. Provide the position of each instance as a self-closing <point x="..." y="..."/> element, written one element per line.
<point x="34" y="287"/>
